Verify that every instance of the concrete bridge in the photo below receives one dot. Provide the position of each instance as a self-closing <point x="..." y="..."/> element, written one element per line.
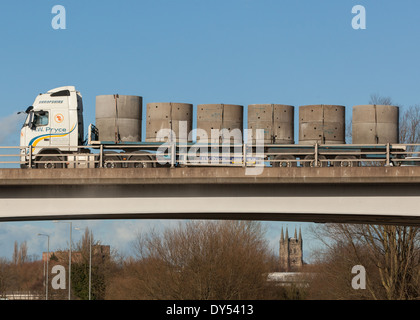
<point x="334" y="194"/>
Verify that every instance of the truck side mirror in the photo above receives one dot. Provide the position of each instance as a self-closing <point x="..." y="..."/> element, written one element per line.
<point x="31" y="123"/>
<point x="29" y="109"/>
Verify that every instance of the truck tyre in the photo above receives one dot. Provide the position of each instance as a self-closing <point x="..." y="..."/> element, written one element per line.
<point x="284" y="161"/>
<point x="140" y="162"/>
<point x="343" y="161"/>
<point x="48" y="163"/>
<point x="110" y="162"/>
<point x="312" y="163"/>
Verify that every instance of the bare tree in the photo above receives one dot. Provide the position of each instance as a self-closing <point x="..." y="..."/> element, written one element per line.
<point x="23" y="252"/>
<point x="15" y="257"/>
<point x="203" y="260"/>
<point x="410" y="128"/>
<point x="5" y="276"/>
<point x="380" y="100"/>
<point x="390" y="253"/>
<point x="20" y="253"/>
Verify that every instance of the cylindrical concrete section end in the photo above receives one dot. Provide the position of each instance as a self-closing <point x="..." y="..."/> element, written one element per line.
<point x="277" y="121"/>
<point x="118" y="118"/>
<point x="220" y="123"/>
<point x="375" y="124"/>
<point x="323" y="124"/>
<point x="169" y="121"/>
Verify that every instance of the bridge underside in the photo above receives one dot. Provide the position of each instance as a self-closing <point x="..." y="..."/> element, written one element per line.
<point x="310" y="202"/>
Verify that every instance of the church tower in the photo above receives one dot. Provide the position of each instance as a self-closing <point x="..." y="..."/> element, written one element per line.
<point x="290" y="252"/>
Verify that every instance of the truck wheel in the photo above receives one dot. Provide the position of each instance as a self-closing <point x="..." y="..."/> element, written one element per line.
<point x="312" y="163"/>
<point x="284" y="161"/>
<point x="48" y="163"/>
<point x="111" y="162"/>
<point x="343" y="161"/>
<point x="140" y="162"/>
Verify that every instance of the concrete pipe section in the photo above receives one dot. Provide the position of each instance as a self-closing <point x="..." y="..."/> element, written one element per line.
<point x="218" y="117"/>
<point x="277" y="121"/>
<point x="375" y="124"/>
<point x="118" y="118"/>
<point x="323" y="124"/>
<point x="169" y="121"/>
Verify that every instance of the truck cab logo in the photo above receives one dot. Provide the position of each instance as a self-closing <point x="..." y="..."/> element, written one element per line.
<point x="59" y="118"/>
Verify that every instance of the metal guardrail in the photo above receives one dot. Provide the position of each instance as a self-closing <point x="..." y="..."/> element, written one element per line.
<point x="178" y="154"/>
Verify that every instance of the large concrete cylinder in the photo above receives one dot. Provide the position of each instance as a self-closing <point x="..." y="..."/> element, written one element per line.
<point x="169" y="121"/>
<point x="375" y="124"/>
<point x="118" y="118"/>
<point x="323" y="124"/>
<point x="277" y="121"/>
<point x="227" y="118"/>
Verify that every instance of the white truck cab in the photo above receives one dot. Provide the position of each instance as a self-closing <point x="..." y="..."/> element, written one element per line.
<point x="54" y="124"/>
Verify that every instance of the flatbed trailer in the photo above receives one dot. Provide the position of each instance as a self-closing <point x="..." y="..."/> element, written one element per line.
<point x="52" y="137"/>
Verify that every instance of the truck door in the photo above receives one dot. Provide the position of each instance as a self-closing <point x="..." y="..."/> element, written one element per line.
<point x="60" y="127"/>
<point x="38" y="133"/>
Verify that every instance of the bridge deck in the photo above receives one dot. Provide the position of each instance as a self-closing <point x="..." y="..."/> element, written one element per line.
<point x="200" y="175"/>
<point x="346" y="195"/>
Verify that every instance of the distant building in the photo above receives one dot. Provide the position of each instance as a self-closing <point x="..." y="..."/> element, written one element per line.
<point x="22" y="295"/>
<point x="103" y="252"/>
<point x="287" y="279"/>
<point x="291" y="252"/>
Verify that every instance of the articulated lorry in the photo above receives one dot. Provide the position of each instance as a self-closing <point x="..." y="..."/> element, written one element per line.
<point x="53" y="136"/>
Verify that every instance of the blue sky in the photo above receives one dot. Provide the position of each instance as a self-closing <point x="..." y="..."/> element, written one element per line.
<point x="196" y="51"/>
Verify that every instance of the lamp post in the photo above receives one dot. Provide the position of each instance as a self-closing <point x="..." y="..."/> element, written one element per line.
<point x="48" y="258"/>
<point x="69" y="255"/>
